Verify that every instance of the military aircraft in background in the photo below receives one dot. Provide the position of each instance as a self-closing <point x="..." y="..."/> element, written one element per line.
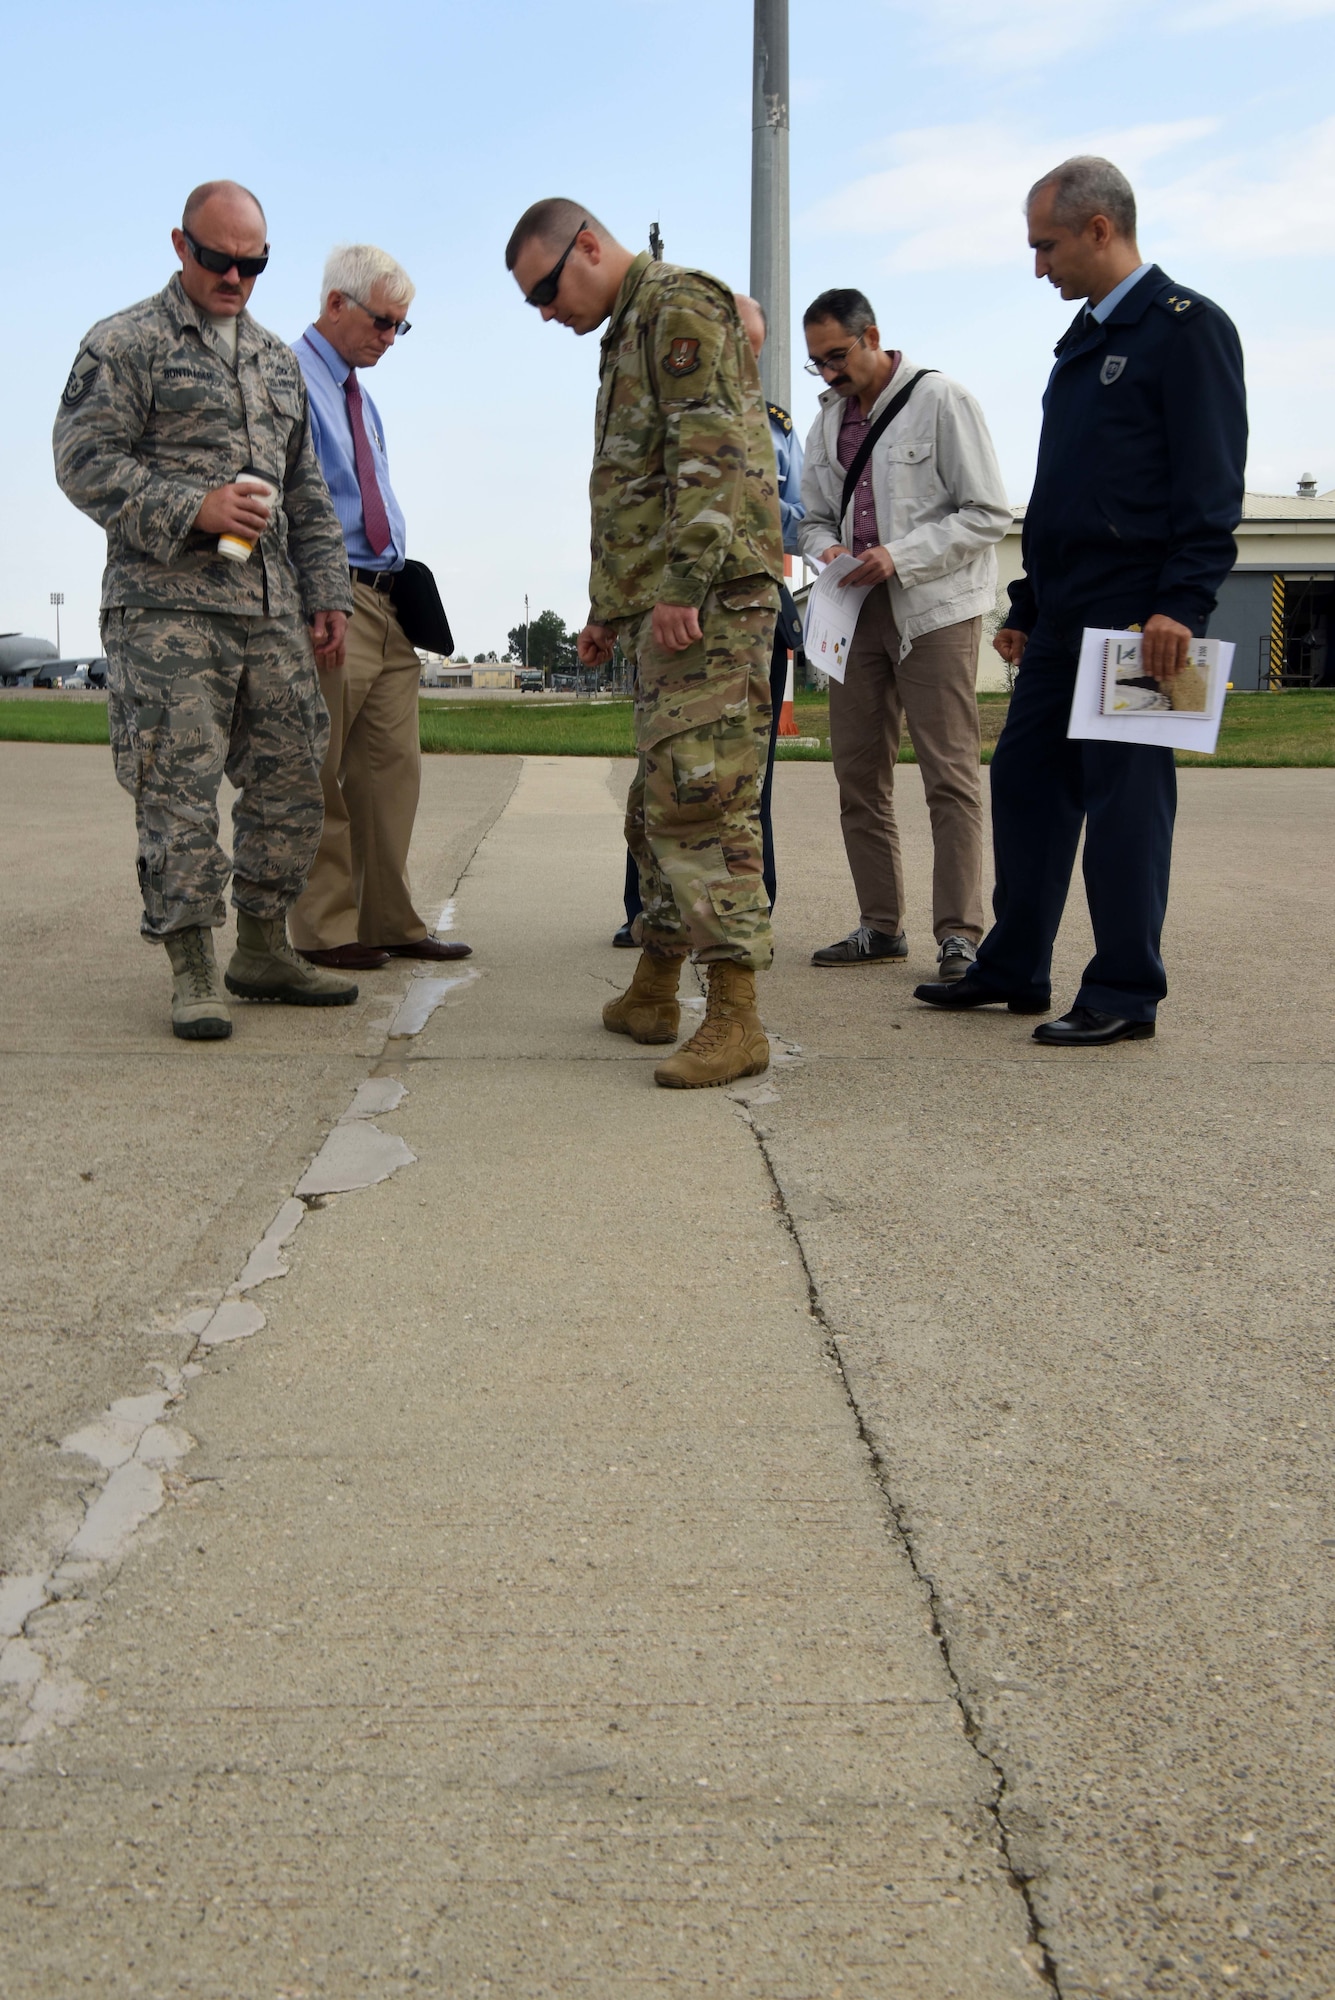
<point x="20" y="657"/>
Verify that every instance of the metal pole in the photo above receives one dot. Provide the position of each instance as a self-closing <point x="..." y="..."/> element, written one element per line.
<point x="769" y="194"/>
<point x="57" y="598"/>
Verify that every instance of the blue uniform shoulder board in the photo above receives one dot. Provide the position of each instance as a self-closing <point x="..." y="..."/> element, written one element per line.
<point x="1174" y="303"/>
<point x="780" y="416"/>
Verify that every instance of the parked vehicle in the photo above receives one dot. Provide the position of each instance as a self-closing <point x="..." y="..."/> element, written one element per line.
<point x="72" y="673"/>
<point x="528" y="680"/>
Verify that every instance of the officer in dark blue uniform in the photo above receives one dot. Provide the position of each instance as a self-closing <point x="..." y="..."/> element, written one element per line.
<point x="1137" y="493"/>
<point x="787" y="632"/>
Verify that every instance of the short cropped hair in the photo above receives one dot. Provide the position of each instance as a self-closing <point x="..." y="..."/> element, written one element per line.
<point x="850" y="309"/>
<point x="1087" y="186"/>
<point x="206" y="190"/>
<point x="355" y="269"/>
<point x="552" y="221"/>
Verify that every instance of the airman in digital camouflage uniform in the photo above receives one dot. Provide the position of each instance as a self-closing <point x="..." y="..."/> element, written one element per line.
<point x="211" y="666"/>
<point x="687" y="556"/>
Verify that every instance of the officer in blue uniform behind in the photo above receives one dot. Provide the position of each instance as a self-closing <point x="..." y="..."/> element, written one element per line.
<point x="787" y="632"/>
<point x="1137" y="494"/>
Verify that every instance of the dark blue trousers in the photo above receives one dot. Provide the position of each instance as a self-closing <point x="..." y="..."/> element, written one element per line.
<point x="1043" y="786"/>
<point x="778" y="687"/>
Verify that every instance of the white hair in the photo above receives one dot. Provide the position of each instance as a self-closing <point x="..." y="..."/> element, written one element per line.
<point x="355" y="269"/>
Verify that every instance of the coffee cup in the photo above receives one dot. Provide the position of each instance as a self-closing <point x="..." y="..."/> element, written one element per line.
<point x="235" y="547"/>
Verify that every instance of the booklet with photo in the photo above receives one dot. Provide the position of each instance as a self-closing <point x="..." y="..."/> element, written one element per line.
<point x="1129" y="690"/>
<point x="1114" y="701"/>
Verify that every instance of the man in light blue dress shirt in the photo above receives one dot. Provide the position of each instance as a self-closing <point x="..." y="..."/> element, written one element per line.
<point x="357" y="908"/>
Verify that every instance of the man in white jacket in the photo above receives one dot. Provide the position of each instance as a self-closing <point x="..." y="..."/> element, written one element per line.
<point x="924" y="514"/>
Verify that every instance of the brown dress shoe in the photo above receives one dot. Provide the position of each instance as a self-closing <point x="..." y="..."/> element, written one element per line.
<point x="429" y="947"/>
<point x="349" y="957"/>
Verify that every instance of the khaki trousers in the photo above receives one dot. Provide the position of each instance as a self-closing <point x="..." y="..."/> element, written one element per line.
<point x="372" y="776"/>
<point x="933" y="688"/>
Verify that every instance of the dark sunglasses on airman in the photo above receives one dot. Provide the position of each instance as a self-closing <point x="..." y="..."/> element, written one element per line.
<point x="544" y="292"/>
<point x="220" y="262"/>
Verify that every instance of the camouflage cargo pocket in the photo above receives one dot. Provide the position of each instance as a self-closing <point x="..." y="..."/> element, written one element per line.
<point x="739" y="899"/>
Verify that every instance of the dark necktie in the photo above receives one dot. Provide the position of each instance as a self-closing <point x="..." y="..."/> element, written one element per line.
<point x="374" y="518"/>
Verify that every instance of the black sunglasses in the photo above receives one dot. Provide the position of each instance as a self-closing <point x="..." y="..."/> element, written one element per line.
<point x="544" y="292"/>
<point x="380" y="321"/>
<point x="220" y="262"/>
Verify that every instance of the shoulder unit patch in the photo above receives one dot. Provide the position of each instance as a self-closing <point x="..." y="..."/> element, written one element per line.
<point x="683" y="357"/>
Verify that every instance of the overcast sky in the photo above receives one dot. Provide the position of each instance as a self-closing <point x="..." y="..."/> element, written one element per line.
<point x="427" y="128"/>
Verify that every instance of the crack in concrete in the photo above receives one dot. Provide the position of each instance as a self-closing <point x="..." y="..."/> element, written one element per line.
<point x="1046" y="1967"/>
<point x="40" y="1618"/>
<point x="129" y="1439"/>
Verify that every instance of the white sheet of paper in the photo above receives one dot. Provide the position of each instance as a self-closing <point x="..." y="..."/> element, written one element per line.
<point x="832" y="616"/>
<point x="1173" y="731"/>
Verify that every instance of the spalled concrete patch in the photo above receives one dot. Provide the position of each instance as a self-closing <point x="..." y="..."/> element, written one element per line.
<point x="266" y="1260"/>
<point x="423" y="997"/>
<point x="354" y="1156"/>
<point x="138" y="1451"/>
<point x="374" y="1098"/>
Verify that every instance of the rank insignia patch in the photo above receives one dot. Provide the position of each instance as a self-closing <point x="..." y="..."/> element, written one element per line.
<point x="82" y="376"/>
<point x="1112" y="368"/>
<point x="683" y="357"/>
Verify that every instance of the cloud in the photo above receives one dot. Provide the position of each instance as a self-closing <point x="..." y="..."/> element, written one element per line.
<point x="1011" y="34"/>
<point x="1277" y="204"/>
<point x="954" y="199"/>
<point x="1028" y="34"/>
<point x="1221" y="13"/>
<point x="1293" y="421"/>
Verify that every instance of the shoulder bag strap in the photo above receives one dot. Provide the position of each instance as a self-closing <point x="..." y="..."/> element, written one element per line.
<point x="864" y="451"/>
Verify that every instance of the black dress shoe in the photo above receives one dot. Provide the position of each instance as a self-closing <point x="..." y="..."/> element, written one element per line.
<point x="970" y="992"/>
<point x="429" y="947"/>
<point x="623" y="939"/>
<point x="1086" y="1028"/>
<point x="348" y="957"/>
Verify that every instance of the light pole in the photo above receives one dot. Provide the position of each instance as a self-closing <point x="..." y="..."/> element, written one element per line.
<point x="769" y="193"/>
<point x="57" y="598"/>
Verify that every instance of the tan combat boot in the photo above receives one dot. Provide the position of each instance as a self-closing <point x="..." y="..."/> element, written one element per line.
<point x="647" y="1011"/>
<point x="729" y="1043"/>
<point x="265" y="967"/>
<point x="199" y="1005"/>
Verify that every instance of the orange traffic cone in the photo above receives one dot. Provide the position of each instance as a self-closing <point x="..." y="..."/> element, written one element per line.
<point x="787" y="721"/>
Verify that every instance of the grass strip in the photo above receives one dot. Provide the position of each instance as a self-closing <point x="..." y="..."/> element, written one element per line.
<point x="54" y="721"/>
<point x="1292" y="730"/>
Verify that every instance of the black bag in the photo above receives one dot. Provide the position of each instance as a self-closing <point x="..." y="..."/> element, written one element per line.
<point x="789" y="633"/>
<point x="419" y="610"/>
<point x="864" y="451"/>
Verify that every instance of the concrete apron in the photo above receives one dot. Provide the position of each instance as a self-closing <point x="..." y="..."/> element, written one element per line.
<point x="527" y="1616"/>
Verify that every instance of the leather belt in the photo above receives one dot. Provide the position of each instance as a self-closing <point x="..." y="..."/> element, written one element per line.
<point x="374" y="579"/>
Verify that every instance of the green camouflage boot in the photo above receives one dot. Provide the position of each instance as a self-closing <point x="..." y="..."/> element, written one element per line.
<point x="265" y="967"/>
<point x="730" y="1041"/>
<point x="648" y="1011"/>
<point x="199" y="1005"/>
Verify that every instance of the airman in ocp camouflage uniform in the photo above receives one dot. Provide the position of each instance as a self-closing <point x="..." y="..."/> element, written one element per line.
<point x="687" y="554"/>
<point x="210" y="664"/>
